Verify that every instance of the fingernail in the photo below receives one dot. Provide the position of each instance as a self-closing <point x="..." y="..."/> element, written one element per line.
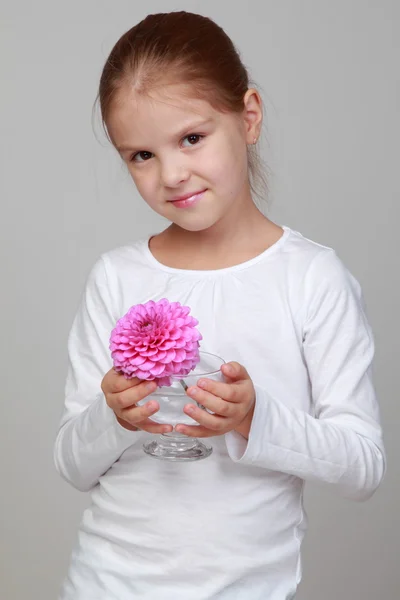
<point x="190" y="409"/>
<point x="151" y="386"/>
<point x="151" y="406"/>
<point x="202" y="383"/>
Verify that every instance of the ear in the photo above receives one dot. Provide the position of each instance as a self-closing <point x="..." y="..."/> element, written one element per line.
<point x="253" y="115"/>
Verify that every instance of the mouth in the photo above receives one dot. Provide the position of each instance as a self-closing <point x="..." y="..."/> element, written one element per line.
<point x="187" y="199"/>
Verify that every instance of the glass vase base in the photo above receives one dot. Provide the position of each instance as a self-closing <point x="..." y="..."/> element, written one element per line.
<point x="177" y="448"/>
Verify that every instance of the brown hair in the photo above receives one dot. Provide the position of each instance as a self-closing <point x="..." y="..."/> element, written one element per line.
<point x="178" y="47"/>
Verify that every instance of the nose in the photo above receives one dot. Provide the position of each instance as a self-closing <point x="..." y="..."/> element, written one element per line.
<point x="174" y="171"/>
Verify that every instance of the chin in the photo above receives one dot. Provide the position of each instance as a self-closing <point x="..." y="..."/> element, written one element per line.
<point x="197" y="224"/>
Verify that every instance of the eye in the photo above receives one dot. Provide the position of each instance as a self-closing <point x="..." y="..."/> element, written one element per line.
<point x="193" y="139"/>
<point x="141" y="156"/>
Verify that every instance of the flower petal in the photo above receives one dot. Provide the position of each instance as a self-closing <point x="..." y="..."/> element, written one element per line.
<point x="170" y="356"/>
<point x="157" y="369"/>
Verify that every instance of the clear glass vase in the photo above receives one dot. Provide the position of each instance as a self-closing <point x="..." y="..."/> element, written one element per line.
<point x="176" y="446"/>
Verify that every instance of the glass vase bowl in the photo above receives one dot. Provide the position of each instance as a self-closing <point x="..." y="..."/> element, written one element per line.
<point x="176" y="446"/>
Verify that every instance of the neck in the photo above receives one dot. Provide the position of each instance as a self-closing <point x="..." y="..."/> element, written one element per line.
<point x="241" y="235"/>
<point x="237" y="229"/>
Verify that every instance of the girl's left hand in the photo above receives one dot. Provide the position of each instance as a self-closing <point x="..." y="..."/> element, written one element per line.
<point x="232" y="402"/>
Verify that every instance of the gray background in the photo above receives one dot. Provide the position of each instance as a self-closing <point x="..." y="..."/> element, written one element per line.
<point x="329" y="72"/>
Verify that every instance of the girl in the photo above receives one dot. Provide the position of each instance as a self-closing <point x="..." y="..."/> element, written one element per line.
<point x="297" y="404"/>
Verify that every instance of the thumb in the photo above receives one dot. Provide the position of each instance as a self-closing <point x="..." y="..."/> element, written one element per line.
<point x="235" y="371"/>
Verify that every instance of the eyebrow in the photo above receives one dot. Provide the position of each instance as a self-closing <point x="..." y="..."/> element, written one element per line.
<point x="192" y="127"/>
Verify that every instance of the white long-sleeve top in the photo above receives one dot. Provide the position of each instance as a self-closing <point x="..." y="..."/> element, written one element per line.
<point x="230" y="526"/>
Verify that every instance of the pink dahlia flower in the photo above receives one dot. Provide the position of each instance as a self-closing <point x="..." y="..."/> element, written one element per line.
<point x="155" y="341"/>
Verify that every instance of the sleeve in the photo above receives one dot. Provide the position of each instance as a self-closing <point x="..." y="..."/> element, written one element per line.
<point x="89" y="438"/>
<point x="340" y="443"/>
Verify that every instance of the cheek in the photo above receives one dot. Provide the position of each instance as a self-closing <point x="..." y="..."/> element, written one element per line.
<point x="227" y="163"/>
<point x="145" y="183"/>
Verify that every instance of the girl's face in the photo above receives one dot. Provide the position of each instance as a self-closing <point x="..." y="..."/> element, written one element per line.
<point x="188" y="161"/>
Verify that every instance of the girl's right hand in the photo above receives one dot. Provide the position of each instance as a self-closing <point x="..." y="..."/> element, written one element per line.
<point x="122" y="396"/>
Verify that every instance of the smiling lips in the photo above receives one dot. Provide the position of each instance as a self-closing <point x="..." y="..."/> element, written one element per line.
<point x="187" y="200"/>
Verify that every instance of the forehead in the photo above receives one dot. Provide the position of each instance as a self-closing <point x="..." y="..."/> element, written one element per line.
<point x="135" y="116"/>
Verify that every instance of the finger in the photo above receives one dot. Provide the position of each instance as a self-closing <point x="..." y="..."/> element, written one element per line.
<point x="152" y="427"/>
<point x="196" y="431"/>
<point x="227" y="391"/>
<point x="235" y="371"/>
<point x="213" y="403"/>
<point x="133" y="395"/>
<point x="119" y="383"/>
<point x="135" y="414"/>
<point x="214" y="422"/>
